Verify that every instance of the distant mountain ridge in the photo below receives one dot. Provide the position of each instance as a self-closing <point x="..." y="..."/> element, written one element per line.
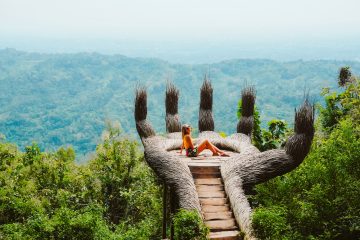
<point x="64" y="99"/>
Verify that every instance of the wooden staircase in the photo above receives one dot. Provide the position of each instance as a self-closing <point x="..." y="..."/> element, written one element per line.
<point x="215" y="206"/>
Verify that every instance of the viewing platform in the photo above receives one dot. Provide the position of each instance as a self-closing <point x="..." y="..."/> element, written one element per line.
<point x="215" y="206"/>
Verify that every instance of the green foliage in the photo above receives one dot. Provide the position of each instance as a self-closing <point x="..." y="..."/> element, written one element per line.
<point x="318" y="200"/>
<point x="257" y="132"/>
<point x="48" y="196"/>
<point x="222" y="134"/>
<point x="188" y="225"/>
<point x="274" y="137"/>
<point x="333" y="111"/>
<point x="270" y="223"/>
<point x="121" y="169"/>
<point x="63" y="99"/>
<point x="338" y="105"/>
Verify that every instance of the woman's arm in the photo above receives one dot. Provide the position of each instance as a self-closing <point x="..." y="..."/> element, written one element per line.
<point x="182" y="147"/>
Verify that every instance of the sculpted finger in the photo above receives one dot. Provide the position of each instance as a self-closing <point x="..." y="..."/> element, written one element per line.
<point x="172" y="118"/>
<point x="206" y="120"/>
<point x="246" y="122"/>
<point x="143" y="127"/>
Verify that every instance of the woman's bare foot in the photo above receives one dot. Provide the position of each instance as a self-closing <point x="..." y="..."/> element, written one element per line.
<point x="223" y="154"/>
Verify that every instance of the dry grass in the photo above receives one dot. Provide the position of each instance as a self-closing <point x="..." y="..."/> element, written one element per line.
<point x="248" y="96"/>
<point x="143" y="127"/>
<point x="140" y="104"/>
<point x="246" y="123"/>
<point x="206" y="95"/>
<point x="171" y="98"/>
<point x="344" y="76"/>
<point x="298" y="146"/>
<point x="304" y="119"/>
<point x="206" y="121"/>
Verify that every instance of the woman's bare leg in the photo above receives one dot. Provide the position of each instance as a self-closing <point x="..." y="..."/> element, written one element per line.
<point x="218" y="150"/>
<point x="208" y="145"/>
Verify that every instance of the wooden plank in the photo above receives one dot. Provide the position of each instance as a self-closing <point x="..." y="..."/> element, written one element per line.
<point x="204" y="158"/>
<point x="204" y="161"/>
<point x="211" y="194"/>
<point x="205" y="167"/>
<point x="208" y="181"/>
<point x="225" y="235"/>
<point x="218" y="215"/>
<point x="204" y="170"/>
<point x="207" y="160"/>
<point x="209" y="188"/>
<point x="215" y="209"/>
<point x="221" y="224"/>
<point x="206" y="175"/>
<point x="213" y="201"/>
<point x="193" y="163"/>
<point x="204" y="164"/>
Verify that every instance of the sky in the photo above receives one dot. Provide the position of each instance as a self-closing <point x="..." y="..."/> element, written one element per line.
<point x="158" y="26"/>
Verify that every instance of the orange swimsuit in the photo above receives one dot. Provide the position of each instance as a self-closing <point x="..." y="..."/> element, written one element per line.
<point x="187" y="143"/>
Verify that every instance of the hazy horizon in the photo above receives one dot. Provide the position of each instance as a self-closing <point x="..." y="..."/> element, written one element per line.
<point x="185" y="31"/>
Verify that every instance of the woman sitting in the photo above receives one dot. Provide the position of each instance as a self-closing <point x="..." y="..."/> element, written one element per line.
<point x="193" y="151"/>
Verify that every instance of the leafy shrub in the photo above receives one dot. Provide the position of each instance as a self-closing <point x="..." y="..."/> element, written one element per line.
<point x="48" y="196"/>
<point x="321" y="195"/>
<point x="340" y="105"/>
<point x="270" y="223"/>
<point x="320" y="199"/>
<point x="266" y="139"/>
<point x="188" y="225"/>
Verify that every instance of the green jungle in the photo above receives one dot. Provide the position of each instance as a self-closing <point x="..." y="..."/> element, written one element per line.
<point x="72" y="168"/>
<point x="59" y="100"/>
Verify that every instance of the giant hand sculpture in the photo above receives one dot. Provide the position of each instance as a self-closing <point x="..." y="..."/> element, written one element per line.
<point x="246" y="167"/>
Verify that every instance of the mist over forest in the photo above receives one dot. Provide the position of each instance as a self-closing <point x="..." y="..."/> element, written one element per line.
<point x="65" y="99"/>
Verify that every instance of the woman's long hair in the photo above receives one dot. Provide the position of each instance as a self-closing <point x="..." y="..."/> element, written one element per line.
<point x="183" y="130"/>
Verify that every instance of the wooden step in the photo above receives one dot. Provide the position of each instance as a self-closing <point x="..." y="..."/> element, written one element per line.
<point x="193" y="164"/>
<point x="198" y="175"/>
<point x="210" y="171"/>
<point x="208" y="181"/>
<point x="213" y="201"/>
<point x="225" y="235"/>
<point x="204" y="167"/>
<point x="221" y="224"/>
<point x="201" y="188"/>
<point x="215" y="209"/>
<point x="218" y="215"/>
<point x="214" y="204"/>
<point x="211" y="194"/>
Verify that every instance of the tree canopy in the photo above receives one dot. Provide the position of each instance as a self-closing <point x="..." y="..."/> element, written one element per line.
<point x="320" y="199"/>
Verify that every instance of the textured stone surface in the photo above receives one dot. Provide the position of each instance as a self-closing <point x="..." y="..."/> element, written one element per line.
<point x="245" y="167"/>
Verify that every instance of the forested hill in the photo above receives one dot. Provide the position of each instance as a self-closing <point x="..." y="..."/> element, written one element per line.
<point x="64" y="99"/>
